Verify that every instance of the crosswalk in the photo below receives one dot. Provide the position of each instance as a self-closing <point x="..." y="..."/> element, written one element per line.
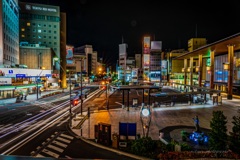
<point x="53" y="147"/>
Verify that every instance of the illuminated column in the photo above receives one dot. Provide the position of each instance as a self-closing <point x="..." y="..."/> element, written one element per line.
<point x="191" y="71"/>
<point x="212" y="70"/>
<point x="200" y="70"/>
<point x="185" y="72"/>
<point x="230" y="71"/>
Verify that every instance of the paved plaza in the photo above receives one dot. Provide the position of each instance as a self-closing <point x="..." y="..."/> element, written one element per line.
<point x="171" y="119"/>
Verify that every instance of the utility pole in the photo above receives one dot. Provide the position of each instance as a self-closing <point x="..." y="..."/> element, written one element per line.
<point x="81" y="85"/>
<point x="70" y="90"/>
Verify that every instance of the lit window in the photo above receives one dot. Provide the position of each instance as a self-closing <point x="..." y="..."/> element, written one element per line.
<point x="23" y="29"/>
<point x="39" y="30"/>
<point x="23" y="35"/>
<point x="39" y="37"/>
<point x="28" y="24"/>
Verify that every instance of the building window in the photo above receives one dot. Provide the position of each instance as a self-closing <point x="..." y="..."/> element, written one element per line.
<point x="23" y="29"/>
<point x="39" y="37"/>
<point x="23" y="35"/>
<point x="28" y="24"/>
<point x="39" y="25"/>
<point x="39" y="31"/>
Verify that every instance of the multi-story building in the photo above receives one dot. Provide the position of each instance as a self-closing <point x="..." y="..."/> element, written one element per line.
<point x="9" y="33"/>
<point x="90" y="60"/>
<point x="155" y="71"/>
<point x="146" y="58"/>
<point x="122" y="61"/>
<point x="40" y="24"/>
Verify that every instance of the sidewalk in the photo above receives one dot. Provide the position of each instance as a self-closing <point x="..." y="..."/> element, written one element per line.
<point x="29" y="99"/>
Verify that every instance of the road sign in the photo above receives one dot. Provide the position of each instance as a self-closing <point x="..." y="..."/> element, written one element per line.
<point x="10" y="71"/>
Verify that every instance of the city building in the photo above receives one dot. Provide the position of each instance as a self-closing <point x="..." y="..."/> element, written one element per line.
<point x="146" y="58"/>
<point x="40" y="24"/>
<point x="217" y="65"/>
<point x="9" y="33"/>
<point x="195" y="43"/>
<point x="155" y="72"/>
<point x="122" y="61"/>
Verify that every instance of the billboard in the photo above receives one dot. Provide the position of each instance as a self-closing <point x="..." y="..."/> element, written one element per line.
<point x="146" y="60"/>
<point x="146" y="42"/>
<point x="123" y="49"/>
<point x="156" y="45"/>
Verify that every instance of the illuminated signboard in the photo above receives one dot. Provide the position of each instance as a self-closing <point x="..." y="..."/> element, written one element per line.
<point x="146" y="42"/>
<point x="146" y="59"/>
<point x="40" y="8"/>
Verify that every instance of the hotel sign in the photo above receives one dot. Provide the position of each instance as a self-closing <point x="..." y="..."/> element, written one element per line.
<point x="39" y="8"/>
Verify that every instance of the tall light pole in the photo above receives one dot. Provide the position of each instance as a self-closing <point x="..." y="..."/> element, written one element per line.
<point x="81" y="85"/>
<point x="80" y="59"/>
<point x="70" y="90"/>
<point x="38" y="76"/>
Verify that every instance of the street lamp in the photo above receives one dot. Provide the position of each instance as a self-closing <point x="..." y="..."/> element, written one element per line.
<point x="37" y="81"/>
<point x="56" y="59"/>
<point x="81" y="81"/>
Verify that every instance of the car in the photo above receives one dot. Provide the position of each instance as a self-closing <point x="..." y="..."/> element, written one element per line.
<point x="75" y="100"/>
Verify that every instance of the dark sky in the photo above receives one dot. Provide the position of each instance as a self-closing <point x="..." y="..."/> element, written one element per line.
<point x="103" y="23"/>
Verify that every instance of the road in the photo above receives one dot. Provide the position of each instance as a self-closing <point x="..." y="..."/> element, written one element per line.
<point x="44" y="131"/>
<point x="56" y="140"/>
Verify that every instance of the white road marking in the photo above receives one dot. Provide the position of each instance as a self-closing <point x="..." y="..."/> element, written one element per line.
<point x="59" y="144"/>
<point x="63" y="140"/>
<point x="66" y="136"/>
<point x="55" y="148"/>
<point x="50" y="153"/>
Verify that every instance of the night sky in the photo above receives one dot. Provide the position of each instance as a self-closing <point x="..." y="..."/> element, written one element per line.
<point x="104" y="24"/>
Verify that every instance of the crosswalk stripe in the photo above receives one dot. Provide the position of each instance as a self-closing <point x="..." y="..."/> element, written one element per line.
<point x="66" y="136"/>
<point x="39" y="155"/>
<point x="50" y="153"/>
<point x="64" y="140"/>
<point x="55" y="148"/>
<point x="59" y="144"/>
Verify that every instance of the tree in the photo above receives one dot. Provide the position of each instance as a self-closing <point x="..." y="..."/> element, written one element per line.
<point x="218" y="134"/>
<point x="235" y="135"/>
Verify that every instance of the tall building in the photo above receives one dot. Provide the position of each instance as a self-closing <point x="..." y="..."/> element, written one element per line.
<point x="122" y="61"/>
<point x="9" y="33"/>
<point x="146" y="58"/>
<point x="90" y="60"/>
<point x="40" y="24"/>
<point x="155" y="70"/>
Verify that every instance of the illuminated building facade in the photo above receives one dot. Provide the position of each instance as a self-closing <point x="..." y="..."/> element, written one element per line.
<point x="9" y="33"/>
<point x="155" y="70"/>
<point x="122" y="61"/>
<point x="40" y="24"/>
<point x="146" y="58"/>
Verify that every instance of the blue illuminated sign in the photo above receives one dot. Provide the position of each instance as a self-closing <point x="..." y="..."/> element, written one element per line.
<point x="10" y="71"/>
<point x="20" y="75"/>
<point x="48" y="75"/>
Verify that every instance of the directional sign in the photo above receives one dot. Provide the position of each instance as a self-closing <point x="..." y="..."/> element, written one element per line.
<point x="10" y="71"/>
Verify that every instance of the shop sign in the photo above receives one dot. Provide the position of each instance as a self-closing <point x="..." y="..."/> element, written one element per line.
<point x="20" y="75"/>
<point x="5" y="81"/>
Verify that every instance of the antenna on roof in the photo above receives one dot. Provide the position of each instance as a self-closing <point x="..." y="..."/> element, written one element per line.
<point x="196" y="31"/>
<point x="122" y="40"/>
